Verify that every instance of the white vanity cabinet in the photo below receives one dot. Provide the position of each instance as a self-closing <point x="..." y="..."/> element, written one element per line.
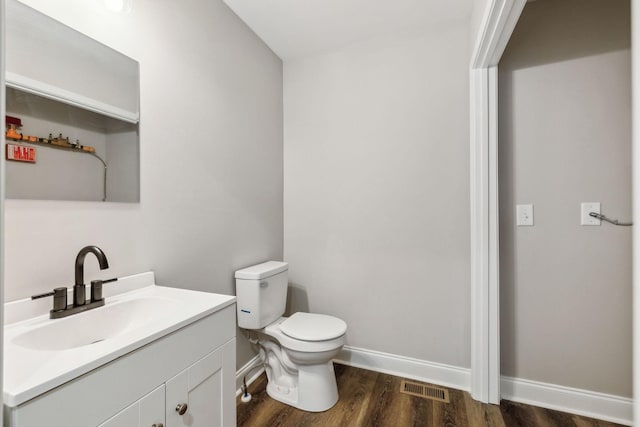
<point x="196" y="391"/>
<point x="194" y="365"/>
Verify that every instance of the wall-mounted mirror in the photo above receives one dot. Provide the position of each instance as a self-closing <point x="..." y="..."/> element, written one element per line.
<point x="72" y="113"/>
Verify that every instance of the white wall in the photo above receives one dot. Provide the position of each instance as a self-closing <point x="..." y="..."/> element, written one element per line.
<point x="377" y="191"/>
<point x="211" y="158"/>
<point x="565" y="138"/>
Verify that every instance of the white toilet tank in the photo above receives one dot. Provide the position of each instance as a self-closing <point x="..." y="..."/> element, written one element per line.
<point x="261" y="291"/>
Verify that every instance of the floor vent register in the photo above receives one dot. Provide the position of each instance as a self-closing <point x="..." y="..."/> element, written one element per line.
<point x="425" y="391"/>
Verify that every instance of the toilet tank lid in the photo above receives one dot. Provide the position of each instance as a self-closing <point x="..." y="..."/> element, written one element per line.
<point x="262" y="271"/>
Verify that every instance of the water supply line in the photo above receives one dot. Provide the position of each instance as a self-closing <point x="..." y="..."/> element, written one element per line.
<point x="104" y="177"/>
<point x="246" y="396"/>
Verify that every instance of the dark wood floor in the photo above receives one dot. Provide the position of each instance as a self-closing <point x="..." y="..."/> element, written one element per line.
<point x="370" y="398"/>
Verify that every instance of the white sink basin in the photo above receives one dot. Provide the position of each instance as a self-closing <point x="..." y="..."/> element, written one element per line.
<point x="96" y="325"/>
<point x="42" y="353"/>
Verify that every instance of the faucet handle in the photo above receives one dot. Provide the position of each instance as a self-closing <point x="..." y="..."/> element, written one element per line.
<point x="59" y="298"/>
<point x="96" y="288"/>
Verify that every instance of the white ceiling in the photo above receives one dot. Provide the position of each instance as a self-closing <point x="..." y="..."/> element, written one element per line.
<point x="295" y="28"/>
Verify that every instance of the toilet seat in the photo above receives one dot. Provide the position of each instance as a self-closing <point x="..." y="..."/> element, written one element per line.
<point x="274" y="330"/>
<point x="313" y="327"/>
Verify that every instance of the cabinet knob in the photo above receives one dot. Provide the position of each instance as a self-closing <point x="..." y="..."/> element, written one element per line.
<point x="182" y="408"/>
<point x="157" y="425"/>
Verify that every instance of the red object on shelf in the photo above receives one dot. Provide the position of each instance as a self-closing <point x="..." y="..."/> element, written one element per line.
<point x="9" y="120"/>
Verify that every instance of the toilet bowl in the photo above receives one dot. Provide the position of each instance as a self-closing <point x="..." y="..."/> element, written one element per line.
<point x="305" y="377"/>
<point x="297" y="350"/>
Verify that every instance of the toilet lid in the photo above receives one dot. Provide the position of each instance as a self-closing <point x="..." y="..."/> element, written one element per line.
<point x="313" y="327"/>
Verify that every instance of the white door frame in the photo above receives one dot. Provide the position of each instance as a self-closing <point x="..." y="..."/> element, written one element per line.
<point x="497" y="26"/>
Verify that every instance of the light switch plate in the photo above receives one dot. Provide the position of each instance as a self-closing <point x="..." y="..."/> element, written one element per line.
<point x="587" y="207"/>
<point x="524" y="215"/>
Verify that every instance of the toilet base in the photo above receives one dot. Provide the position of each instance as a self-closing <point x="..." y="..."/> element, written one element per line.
<point x="316" y="389"/>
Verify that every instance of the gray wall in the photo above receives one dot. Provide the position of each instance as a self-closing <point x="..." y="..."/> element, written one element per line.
<point x="123" y="163"/>
<point x="377" y="191"/>
<point x="210" y="150"/>
<point x="565" y="138"/>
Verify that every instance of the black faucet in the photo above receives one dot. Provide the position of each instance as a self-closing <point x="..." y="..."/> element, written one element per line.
<point x="79" y="289"/>
<point x="80" y="303"/>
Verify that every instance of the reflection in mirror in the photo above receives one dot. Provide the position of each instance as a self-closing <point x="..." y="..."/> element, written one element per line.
<point x="71" y="128"/>
<point x="104" y="166"/>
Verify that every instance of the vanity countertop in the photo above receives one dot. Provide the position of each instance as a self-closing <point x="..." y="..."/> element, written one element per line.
<point x="36" y="362"/>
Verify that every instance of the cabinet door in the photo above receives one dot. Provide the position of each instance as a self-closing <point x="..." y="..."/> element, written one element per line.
<point x="146" y="412"/>
<point x="199" y="387"/>
<point x="152" y="408"/>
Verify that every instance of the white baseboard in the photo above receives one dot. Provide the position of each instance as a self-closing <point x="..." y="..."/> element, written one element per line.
<point x="245" y="370"/>
<point x="406" y="367"/>
<point x="591" y="404"/>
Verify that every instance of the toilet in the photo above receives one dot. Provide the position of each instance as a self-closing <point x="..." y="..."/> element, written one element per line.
<point x="297" y="350"/>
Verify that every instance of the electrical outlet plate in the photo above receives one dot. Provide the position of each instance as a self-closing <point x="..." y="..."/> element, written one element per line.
<point x="587" y="207"/>
<point x="524" y="215"/>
